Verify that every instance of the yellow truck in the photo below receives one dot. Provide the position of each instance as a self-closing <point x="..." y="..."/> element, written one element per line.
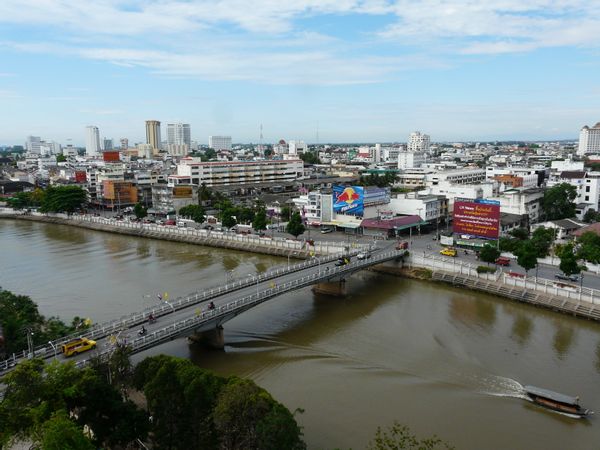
<point x="78" y="346"/>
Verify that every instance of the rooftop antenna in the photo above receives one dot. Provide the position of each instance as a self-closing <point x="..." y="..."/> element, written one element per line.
<point x="317" y="132"/>
<point x="260" y="142"/>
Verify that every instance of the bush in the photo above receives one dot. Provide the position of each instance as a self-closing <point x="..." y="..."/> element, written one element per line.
<point x="485" y="269"/>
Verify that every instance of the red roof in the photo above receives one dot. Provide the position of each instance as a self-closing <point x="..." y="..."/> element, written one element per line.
<point x="594" y="228"/>
<point x="390" y="224"/>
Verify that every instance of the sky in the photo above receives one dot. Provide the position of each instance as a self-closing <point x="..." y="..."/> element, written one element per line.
<point x="317" y="70"/>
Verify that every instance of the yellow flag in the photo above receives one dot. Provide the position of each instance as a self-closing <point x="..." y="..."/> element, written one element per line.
<point x="166" y="295"/>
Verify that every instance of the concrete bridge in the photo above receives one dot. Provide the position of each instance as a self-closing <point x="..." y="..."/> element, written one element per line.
<point x="190" y="316"/>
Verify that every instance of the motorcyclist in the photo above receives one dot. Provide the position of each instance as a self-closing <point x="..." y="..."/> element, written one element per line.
<point x="211" y="305"/>
<point x="142" y="331"/>
<point x="151" y="318"/>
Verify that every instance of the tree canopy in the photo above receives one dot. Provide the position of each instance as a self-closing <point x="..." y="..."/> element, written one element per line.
<point x="194" y="212"/>
<point x="139" y="211"/>
<point x="568" y="261"/>
<point x="19" y="315"/>
<point x="295" y="227"/>
<point x="397" y="437"/>
<point x="558" y="201"/>
<point x="489" y="254"/>
<point x="588" y="247"/>
<point x="260" y="220"/>
<point x="527" y="255"/>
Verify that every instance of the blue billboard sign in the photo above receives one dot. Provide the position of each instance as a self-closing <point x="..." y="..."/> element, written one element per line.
<point x="348" y="200"/>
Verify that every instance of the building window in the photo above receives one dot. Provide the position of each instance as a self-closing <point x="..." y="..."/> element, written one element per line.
<point x="587" y="189"/>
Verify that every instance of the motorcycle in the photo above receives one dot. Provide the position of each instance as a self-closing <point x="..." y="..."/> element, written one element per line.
<point x="151" y="319"/>
<point x="143" y="331"/>
<point x="211" y="306"/>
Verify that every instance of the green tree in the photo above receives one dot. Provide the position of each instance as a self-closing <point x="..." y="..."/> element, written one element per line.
<point x="61" y="433"/>
<point x="519" y="233"/>
<point x="310" y="158"/>
<point x="285" y="213"/>
<point x="588" y="247"/>
<point x="399" y="436"/>
<point x="260" y="220"/>
<point x="20" y="200"/>
<point x="542" y="239"/>
<point x="139" y="211"/>
<point x="489" y="254"/>
<point x="568" y="262"/>
<point x="591" y="216"/>
<point x="63" y="199"/>
<point x="228" y="220"/>
<point x="209" y="154"/>
<point x="558" y="201"/>
<point x="295" y="227"/>
<point x="527" y="256"/>
<point x="60" y="158"/>
<point x="194" y="212"/>
<point x="246" y="416"/>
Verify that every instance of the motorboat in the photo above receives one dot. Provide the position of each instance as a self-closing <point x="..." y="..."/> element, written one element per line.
<point x="556" y="402"/>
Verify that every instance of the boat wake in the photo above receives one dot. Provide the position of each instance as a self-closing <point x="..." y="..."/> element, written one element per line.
<point x="503" y="387"/>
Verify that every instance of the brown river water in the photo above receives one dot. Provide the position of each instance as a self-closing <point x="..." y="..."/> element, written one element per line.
<point x="441" y="360"/>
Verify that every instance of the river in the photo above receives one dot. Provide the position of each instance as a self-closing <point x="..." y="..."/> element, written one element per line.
<point x="438" y="359"/>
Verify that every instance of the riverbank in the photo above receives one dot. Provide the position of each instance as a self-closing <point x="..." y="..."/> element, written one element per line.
<point x="521" y="294"/>
<point x="249" y="243"/>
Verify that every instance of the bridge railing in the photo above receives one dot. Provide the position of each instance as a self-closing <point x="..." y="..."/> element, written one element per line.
<point x="137" y="318"/>
<point x="178" y="328"/>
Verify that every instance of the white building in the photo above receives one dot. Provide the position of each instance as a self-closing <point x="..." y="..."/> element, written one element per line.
<point x="145" y="151"/>
<point x="178" y="149"/>
<point x="238" y="173"/>
<point x="587" y="185"/>
<point x="92" y="141"/>
<point x="32" y="145"/>
<point x="460" y="192"/>
<point x="179" y="134"/>
<point x="522" y="202"/>
<point x="410" y="160"/>
<point x="50" y="148"/>
<point x="418" y="142"/>
<point x="589" y="140"/>
<point x="431" y="208"/>
<point x="390" y="154"/>
<point x="457" y="176"/>
<point x="295" y="147"/>
<point x="219" y="142"/>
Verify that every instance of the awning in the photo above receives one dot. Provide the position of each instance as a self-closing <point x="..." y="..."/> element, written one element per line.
<point x="352" y="226"/>
<point x="410" y="225"/>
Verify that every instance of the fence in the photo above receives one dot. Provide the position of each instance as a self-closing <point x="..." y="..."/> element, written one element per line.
<point x="549" y="287"/>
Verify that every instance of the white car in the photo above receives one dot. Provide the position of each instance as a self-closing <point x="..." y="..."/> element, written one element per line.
<point x="363" y="256"/>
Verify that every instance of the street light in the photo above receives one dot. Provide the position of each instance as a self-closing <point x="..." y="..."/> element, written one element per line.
<point x="53" y="348"/>
<point x="256" y="277"/>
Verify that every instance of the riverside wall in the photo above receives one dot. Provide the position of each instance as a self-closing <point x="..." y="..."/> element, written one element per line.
<point x="264" y="245"/>
<point x="556" y="296"/>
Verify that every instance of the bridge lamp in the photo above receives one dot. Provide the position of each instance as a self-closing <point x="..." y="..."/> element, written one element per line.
<point x="256" y="277"/>
<point x="53" y="348"/>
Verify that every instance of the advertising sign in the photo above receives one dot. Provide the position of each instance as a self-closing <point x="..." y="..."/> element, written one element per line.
<point x="348" y="200"/>
<point x="477" y="219"/>
<point x="376" y="195"/>
<point x="182" y="191"/>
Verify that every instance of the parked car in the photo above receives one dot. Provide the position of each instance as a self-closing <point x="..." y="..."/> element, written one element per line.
<point x="326" y="230"/>
<point x="503" y="261"/>
<point x="170" y="222"/>
<point x="562" y="276"/>
<point x="364" y="255"/>
<point x="449" y="251"/>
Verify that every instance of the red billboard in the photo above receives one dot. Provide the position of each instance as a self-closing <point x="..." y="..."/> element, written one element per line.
<point x="480" y="219"/>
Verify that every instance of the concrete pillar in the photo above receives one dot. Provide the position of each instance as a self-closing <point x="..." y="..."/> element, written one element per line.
<point x="212" y="338"/>
<point x="334" y="288"/>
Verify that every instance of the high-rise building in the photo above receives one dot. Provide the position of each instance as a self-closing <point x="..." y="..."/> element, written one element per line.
<point x="92" y="141"/>
<point x="296" y="147"/>
<point x="219" y="142"/>
<point x="107" y="144"/>
<point x="589" y="140"/>
<point x="153" y="134"/>
<point x="32" y="145"/>
<point x="124" y="143"/>
<point x="179" y="134"/>
<point x="418" y="142"/>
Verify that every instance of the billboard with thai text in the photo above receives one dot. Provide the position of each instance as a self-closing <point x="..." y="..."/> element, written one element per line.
<point x="348" y="200"/>
<point x="479" y="219"/>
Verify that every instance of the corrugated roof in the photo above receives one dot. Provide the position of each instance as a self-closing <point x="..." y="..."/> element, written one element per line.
<point x="390" y="224"/>
<point x="570" y="174"/>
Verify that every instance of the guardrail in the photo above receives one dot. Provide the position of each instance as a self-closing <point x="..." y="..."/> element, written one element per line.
<point x="180" y="327"/>
<point x="553" y="287"/>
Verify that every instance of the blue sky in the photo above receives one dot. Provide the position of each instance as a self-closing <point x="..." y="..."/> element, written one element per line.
<point x="358" y="71"/>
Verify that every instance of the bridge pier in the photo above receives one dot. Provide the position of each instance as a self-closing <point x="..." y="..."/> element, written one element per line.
<point x="212" y="338"/>
<point x="334" y="288"/>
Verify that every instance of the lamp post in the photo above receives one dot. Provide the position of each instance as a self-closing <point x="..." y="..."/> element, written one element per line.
<point x="53" y="348"/>
<point x="256" y="278"/>
<point x="29" y="342"/>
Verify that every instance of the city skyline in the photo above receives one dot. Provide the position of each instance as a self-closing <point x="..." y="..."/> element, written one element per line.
<point x="352" y="71"/>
